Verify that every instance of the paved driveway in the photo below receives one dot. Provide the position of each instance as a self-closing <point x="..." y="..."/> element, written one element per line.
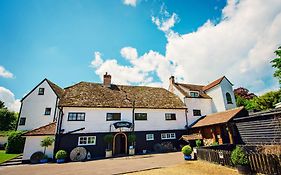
<point x="98" y="167"/>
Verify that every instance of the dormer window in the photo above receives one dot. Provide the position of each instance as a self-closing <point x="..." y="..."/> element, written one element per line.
<point x="41" y="91"/>
<point x="194" y="94"/>
<point x="228" y="98"/>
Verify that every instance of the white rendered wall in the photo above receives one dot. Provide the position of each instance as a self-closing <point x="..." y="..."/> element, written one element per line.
<point x="33" y="108"/>
<point x="205" y="105"/>
<point x="32" y="145"/>
<point x="95" y="119"/>
<point x="227" y="87"/>
<point x="218" y="92"/>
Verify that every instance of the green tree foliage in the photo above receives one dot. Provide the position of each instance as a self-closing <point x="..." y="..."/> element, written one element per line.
<point x="239" y="157"/>
<point x="186" y="150"/>
<point x="8" y="120"/>
<point x="15" y="143"/>
<point x="2" y="105"/>
<point x="276" y="63"/>
<point x="46" y="142"/>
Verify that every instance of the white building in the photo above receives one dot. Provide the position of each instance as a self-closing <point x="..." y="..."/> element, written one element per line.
<point x="89" y="111"/>
<point x="201" y="100"/>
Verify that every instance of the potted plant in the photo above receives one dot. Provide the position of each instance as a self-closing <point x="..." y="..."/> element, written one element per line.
<point x="187" y="150"/>
<point x="240" y="160"/>
<point x="108" y="139"/>
<point x="131" y="140"/>
<point x="46" y="142"/>
<point x="61" y="155"/>
<point x="198" y="144"/>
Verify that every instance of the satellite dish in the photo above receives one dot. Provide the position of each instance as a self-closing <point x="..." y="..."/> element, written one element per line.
<point x="78" y="154"/>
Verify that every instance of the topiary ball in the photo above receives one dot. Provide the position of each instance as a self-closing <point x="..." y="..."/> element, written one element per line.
<point x="186" y="150"/>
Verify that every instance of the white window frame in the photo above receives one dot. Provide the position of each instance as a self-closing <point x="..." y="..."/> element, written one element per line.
<point x="168" y="136"/>
<point x="149" y="137"/>
<point x="87" y="140"/>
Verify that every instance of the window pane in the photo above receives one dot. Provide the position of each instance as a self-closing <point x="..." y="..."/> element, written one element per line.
<point x="140" y="116"/>
<point x="196" y="112"/>
<point x="170" y="116"/>
<point x="22" y="121"/>
<point x="113" y="116"/>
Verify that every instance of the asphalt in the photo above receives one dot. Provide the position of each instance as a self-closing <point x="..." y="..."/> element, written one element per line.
<point x="114" y="166"/>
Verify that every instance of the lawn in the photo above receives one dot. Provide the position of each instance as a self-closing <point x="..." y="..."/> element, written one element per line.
<point x="4" y="157"/>
<point x="190" y="167"/>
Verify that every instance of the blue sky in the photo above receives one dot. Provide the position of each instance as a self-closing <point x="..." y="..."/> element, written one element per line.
<point x="61" y="40"/>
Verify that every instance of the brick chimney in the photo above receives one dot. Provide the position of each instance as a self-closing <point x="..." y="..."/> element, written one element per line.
<point x="172" y="80"/>
<point x="106" y="80"/>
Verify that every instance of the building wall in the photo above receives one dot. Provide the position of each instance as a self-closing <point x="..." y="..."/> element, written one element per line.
<point x="95" y="119"/>
<point x="32" y="145"/>
<point x="227" y="88"/>
<point x="33" y="108"/>
<point x="70" y="141"/>
<point x="218" y="94"/>
<point x="205" y="105"/>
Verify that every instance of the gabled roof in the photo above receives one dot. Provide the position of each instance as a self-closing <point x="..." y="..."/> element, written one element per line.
<point x="220" y="117"/>
<point x="215" y="83"/>
<point x="86" y="94"/>
<point x="48" y="129"/>
<point x="58" y="91"/>
<point x="192" y="87"/>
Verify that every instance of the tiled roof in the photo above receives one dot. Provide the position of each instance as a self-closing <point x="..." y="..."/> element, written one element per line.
<point x="191" y="87"/>
<point x="194" y="136"/>
<point x="86" y="94"/>
<point x="214" y="83"/>
<point x="59" y="91"/>
<point x="48" y="129"/>
<point x="218" y="118"/>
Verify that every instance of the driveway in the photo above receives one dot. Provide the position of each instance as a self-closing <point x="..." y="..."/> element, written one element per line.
<point x="98" y="167"/>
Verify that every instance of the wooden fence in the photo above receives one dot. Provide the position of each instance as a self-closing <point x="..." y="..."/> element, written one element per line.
<point x="259" y="163"/>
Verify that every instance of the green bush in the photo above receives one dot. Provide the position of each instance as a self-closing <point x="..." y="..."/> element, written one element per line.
<point x="46" y="142"/>
<point x="61" y="154"/>
<point x="131" y="138"/>
<point x="15" y="143"/>
<point x="108" y="138"/>
<point x="238" y="156"/>
<point x="215" y="144"/>
<point x="198" y="143"/>
<point x="186" y="150"/>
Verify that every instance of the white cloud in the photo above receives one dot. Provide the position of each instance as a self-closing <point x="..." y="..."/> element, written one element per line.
<point x="132" y="3"/>
<point x="129" y="53"/>
<point x="97" y="61"/>
<point x="9" y="99"/>
<point x="166" y="22"/>
<point x="4" y="73"/>
<point x="239" y="46"/>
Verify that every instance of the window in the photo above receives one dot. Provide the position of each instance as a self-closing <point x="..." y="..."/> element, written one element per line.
<point x="196" y="112"/>
<point x="165" y="136"/>
<point x="47" y="111"/>
<point x="41" y="91"/>
<point x="140" y="116"/>
<point x="170" y="116"/>
<point x="87" y="140"/>
<point x="149" y="137"/>
<point x="194" y="94"/>
<point x="113" y="116"/>
<point x="72" y="116"/>
<point x="228" y="98"/>
<point x="22" y="121"/>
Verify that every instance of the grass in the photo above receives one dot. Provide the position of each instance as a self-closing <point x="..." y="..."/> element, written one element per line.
<point x="189" y="167"/>
<point x="5" y="157"/>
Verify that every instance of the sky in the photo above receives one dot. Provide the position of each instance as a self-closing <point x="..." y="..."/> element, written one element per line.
<point x="138" y="42"/>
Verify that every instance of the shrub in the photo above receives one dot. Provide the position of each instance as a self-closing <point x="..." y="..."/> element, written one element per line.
<point x="198" y="143"/>
<point x="186" y="150"/>
<point x="215" y="144"/>
<point x="46" y="142"/>
<point x="61" y="154"/>
<point x="238" y="156"/>
<point x="15" y="143"/>
<point x="131" y="138"/>
<point x="108" y="138"/>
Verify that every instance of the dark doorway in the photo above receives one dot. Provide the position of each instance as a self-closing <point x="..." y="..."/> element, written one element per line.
<point x="224" y="135"/>
<point x="120" y="144"/>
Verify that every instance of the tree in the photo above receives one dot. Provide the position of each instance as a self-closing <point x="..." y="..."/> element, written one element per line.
<point x="244" y="93"/>
<point x="46" y="142"/>
<point x="8" y="120"/>
<point x="276" y="63"/>
<point x="2" y="105"/>
<point x="15" y="143"/>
